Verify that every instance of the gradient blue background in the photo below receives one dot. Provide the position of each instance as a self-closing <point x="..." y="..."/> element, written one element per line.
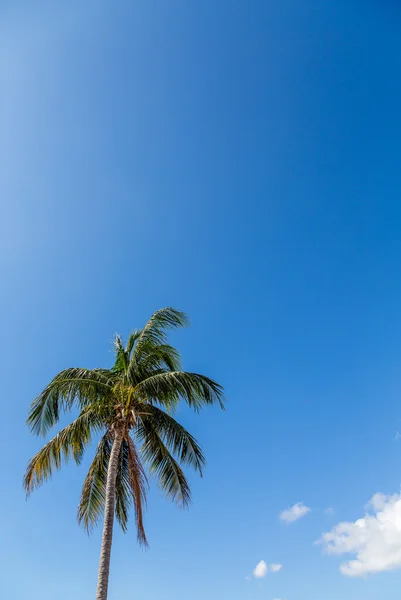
<point x="240" y="161"/>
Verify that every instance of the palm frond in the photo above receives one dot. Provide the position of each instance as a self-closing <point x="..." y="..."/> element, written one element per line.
<point x="162" y="465"/>
<point x="134" y="335"/>
<point x="83" y="386"/>
<point x="177" y="439"/>
<point x="153" y="359"/>
<point x="93" y="495"/>
<point x="162" y="356"/>
<point x="155" y="330"/>
<point x="69" y="442"/>
<point x="123" y="487"/>
<point x="122" y="358"/>
<point x="139" y="484"/>
<point x="167" y="389"/>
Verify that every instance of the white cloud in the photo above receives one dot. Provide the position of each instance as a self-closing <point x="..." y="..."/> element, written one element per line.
<point x="375" y="539"/>
<point x="260" y="570"/>
<point x="329" y="511"/>
<point x="294" y="513"/>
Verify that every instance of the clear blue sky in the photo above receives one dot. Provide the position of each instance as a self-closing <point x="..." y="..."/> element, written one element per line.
<point x="239" y="161"/>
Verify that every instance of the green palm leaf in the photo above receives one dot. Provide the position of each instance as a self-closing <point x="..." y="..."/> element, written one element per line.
<point x="69" y="442"/>
<point x="123" y="488"/>
<point x="154" y="359"/>
<point x="155" y="331"/>
<point x="81" y="386"/>
<point x="177" y="439"/>
<point x="139" y="484"/>
<point x="134" y="335"/>
<point x="163" y="466"/>
<point x="122" y="357"/>
<point x="167" y="389"/>
<point x="93" y="495"/>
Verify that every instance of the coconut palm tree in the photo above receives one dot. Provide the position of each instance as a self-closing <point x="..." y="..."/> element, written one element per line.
<point x="130" y="407"/>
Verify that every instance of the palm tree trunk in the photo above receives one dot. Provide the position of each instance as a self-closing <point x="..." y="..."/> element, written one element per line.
<point x="105" y="552"/>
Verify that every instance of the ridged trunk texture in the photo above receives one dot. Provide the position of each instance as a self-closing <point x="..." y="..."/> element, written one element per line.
<point x="107" y="537"/>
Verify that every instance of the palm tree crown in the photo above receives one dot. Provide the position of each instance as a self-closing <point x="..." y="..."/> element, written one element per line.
<point x="131" y="402"/>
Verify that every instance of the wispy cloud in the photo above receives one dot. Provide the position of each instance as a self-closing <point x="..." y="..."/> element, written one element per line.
<point x="294" y="513"/>
<point x="374" y="539"/>
<point x="329" y="511"/>
<point x="276" y="568"/>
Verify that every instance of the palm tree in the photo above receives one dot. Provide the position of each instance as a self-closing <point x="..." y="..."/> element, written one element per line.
<point x="130" y="406"/>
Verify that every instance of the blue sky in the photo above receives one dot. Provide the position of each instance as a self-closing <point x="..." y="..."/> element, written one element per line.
<point x="240" y="161"/>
